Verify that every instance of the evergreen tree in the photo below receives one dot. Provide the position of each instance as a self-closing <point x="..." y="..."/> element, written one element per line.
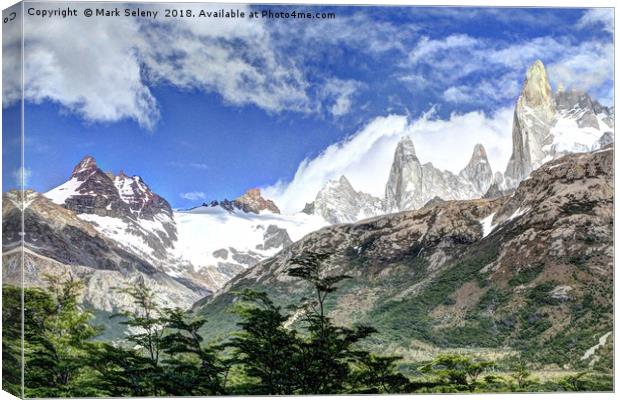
<point x="189" y="367"/>
<point x="142" y="368"/>
<point x="264" y="348"/>
<point x="455" y="371"/>
<point x="325" y="357"/>
<point x="145" y="320"/>
<point x="122" y="372"/>
<point x="57" y="336"/>
<point x="377" y="374"/>
<point x="12" y="340"/>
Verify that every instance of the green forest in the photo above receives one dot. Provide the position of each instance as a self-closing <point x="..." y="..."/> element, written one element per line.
<point x="164" y="355"/>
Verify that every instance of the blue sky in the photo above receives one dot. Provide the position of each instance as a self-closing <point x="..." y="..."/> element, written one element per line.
<point x="207" y="110"/>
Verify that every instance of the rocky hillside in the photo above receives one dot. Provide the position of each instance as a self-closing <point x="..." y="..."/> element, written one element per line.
<point x="532" y="271"/>
<point x="57" y="241"/>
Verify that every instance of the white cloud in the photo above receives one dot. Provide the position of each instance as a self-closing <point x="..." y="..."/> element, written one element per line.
<point x="121" y="58"/>
<point x="490" y="71"/>
<point x="193" y="196"/>
<point x="11" y="65"/>
<point x="244" y="60"/>
<point x="338" y="95"/>
<point x="366" y="157"/>
<point x="587" y="68"/>
<point x="104" y="83"/>
<point x="457" y="94"/>
<point x="236" y="59"/>
<point x="427" y="47"/>
<point x="598" y="17"/>
<point x="376" y="37"/>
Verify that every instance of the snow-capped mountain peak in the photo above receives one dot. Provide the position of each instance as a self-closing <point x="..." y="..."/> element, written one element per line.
<point x="121" y="207"/>
<point x="547" y="126"/>
<point x="87" y="165"/>
<point x="253" y="201"/>
<point x="339" y="202"/>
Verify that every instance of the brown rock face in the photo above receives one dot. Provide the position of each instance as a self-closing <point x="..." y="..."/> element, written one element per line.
<point x="128" y="198"/>
<point x="119" y="196"/>
<point x="250" y="202"/>
<point x="253" y="201"/>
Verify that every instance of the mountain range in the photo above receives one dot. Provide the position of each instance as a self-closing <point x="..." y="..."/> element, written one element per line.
<point x="531" y="271"/>
<point x="545" y="126"/>
<point x="113" y="230"/>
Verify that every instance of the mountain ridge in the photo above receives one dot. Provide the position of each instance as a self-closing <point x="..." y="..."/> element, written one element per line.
<point x="504" y="273"/>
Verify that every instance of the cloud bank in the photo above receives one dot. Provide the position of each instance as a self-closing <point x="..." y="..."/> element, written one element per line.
<point x="250" y="62"/>
<point x="121" y="59"/>
<point x="366" y="157"/>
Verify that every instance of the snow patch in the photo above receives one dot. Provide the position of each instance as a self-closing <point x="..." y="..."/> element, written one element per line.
<point x="568" y="137"/>
<point x="61" y="193"/>
<point x="601" y="342"/>
<point x="518" y="212"/>
<point x="487" y="225"/>
<point x="203" y="230"/>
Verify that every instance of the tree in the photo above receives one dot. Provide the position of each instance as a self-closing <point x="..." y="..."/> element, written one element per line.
<point x="377" y="374"/>
<point x="142" y="369"/>
<point x="145" y="319"/>
<point x="57" y="340"/>
<point x="264" y="348"/>
<point x="189" y="367"/>
<point x="456" y="370"/>
<point x="520" y="373"/>
<point x="122" y="372"/>
<point x="12" y="340"/>
<point x="324" y="358"/>
<point x="308" y="267"/>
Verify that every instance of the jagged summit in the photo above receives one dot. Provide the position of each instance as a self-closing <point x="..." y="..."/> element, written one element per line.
<point x="546" y="126"/>
<point x="342" y="181"/>
<point x="536" y="88"/>
<point x="339" y="202"/>
<point x="253" y="201"/>
<point x="478" y="170"/>
<point x="479" y="152"/>
<point x="92" y="191"/>
<point x="120" y="206"/>
<point x="405" y="179"/>
<point x="86" y="165"/>
<point x="406" y="148"/>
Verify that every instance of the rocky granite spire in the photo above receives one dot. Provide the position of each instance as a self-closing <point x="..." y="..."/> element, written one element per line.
<point x="548" y="126"/>
<point x="405" y="180"/>
<point x="478" y="170"/>
<point x="533" y="118"/>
